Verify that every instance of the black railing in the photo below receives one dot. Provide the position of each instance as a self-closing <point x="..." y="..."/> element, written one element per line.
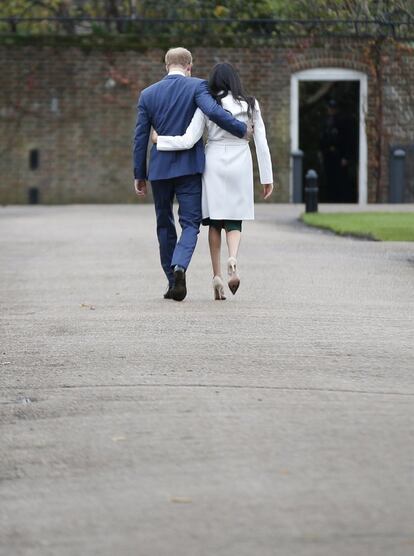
<point x="253" y="28"/>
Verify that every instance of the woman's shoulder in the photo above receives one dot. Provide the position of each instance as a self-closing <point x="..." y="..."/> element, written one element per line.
<point x="228" y="101"/>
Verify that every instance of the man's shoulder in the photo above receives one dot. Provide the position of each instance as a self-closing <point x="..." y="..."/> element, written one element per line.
<point x="189" y="84"/>
<point x="151" y="88"/>
<point x="196" y="80"/>
<point x="198" y="83"/>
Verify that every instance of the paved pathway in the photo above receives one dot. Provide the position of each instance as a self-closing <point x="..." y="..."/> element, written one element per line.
<point x="279" y="422"/>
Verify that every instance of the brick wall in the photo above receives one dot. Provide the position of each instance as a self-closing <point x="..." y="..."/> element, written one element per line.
<point x="78" y="109"/>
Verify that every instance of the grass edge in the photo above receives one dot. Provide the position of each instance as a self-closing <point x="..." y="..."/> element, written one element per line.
<point x="328" y="228"/>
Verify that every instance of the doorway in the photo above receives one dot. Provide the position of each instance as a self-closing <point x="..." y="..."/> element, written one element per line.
<point x="328" y="109"/>
<point x="328" y="137"/>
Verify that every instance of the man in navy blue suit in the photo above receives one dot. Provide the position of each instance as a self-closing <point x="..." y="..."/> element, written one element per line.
<point x="168" y="106"/>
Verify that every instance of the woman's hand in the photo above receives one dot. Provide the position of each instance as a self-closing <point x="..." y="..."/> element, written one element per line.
<point x="267" y="190"/>
<point x="154" y="136"/>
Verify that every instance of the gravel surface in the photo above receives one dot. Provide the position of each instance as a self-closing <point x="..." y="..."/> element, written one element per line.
<point x="279" y="422"/>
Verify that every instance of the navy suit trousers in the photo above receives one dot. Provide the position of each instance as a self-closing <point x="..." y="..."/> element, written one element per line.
<point x="187" y="190"/>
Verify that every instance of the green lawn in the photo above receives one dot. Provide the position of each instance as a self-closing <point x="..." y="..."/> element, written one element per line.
<point x="385" y="226"/>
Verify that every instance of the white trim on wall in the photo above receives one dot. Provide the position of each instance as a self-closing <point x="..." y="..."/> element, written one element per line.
<point x="333" y="74"/>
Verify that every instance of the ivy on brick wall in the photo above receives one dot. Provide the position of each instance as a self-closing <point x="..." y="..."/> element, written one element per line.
<point x="140" y="24"/>
<point x="196" y="9"/>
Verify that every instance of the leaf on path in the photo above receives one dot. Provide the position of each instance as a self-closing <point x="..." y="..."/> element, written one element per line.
<point x="119" y="438"/>
<point x="180" y="500"/>
<point x="88" y="306"/>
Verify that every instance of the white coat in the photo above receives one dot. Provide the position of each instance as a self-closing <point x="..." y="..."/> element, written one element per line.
<point x="228" y="190"/>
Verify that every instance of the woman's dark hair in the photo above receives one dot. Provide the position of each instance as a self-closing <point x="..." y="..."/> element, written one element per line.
<point x="224" y="79"/>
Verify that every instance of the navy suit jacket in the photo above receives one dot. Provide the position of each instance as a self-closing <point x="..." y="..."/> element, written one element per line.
<point x="168" y="106"/>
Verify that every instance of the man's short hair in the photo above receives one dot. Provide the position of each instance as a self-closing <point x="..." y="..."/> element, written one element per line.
<point x="178" y="57"/>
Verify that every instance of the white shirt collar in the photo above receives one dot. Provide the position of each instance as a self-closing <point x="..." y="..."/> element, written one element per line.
<point x="176" y="72"/>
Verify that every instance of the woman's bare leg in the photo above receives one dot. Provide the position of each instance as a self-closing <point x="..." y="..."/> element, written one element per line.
<point x="214" y="240"/>
<point x="233" y="241"/>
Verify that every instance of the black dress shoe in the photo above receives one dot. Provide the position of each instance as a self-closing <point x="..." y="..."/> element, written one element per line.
<point x="168" y="294"/>
<point x="179" y="290"/>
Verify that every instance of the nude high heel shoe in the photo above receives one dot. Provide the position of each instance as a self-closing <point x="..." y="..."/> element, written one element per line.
<point x="218" y="287"/>
<point x="234" y="278"/>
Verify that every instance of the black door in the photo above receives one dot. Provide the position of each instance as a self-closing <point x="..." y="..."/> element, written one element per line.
<point x="329" y="137"/>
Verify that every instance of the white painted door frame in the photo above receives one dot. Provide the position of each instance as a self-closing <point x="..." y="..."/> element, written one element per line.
<point x="333" y="74"/>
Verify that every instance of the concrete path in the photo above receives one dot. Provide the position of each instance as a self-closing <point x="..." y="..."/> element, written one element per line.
<point x="279" y="422"/>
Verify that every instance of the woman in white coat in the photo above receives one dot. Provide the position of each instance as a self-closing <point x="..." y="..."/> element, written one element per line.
<point x="228" y="190"/>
